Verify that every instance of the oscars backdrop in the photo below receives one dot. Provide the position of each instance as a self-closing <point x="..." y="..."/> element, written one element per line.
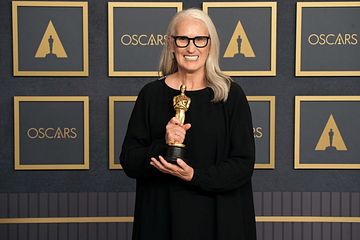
<point x="70" y="75"/>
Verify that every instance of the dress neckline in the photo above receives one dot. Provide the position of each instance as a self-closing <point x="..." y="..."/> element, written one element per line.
<point x="187" y="91"/>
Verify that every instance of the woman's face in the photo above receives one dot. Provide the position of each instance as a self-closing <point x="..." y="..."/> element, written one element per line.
<point x="191" y="58"/>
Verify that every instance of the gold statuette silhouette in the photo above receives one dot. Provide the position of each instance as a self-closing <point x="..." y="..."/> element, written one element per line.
<point x="181" y="104"/>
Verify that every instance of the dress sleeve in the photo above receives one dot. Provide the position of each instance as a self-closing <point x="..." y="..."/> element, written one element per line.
<point x="139" y="146"/>
<point x="237" y="166"/>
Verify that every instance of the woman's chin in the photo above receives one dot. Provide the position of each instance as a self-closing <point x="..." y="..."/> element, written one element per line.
<point x="192" y="69"/>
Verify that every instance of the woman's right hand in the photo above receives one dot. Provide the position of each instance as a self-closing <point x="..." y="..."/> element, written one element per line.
<point x="176" y="131"/>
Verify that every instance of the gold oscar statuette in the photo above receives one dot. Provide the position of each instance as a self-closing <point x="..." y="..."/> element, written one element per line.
<point x="181" y="104"/>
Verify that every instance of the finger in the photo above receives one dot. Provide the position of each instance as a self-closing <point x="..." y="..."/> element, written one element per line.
<point x="179" y="139"/>
<point x="177" y="130"/>
<point x="187" y="172"/>
<point x="186" y="126"/>
<point x="175" y="121"/>
<point x="172" y="127"/>
<point x="169" y="138"/>
<point x="154" y="162"/>
<point x="172" y="168"/>
<point x="182" y="164"/>
<point x="179" y="135"/>
<point x="172" y="132"/>
<point x="166" y="164"/>
<point x="180" y="130"/>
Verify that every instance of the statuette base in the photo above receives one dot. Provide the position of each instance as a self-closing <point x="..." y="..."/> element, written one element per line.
<point x="175" y="152"/>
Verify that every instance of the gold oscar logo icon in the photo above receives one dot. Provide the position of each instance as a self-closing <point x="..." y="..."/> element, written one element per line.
<point x="50" y="45"/>
<point x="239" y="44"/>
<point x="331" y="139"/>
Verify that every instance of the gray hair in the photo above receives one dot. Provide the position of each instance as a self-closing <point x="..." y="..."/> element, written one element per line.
<point x="215" y="79"/>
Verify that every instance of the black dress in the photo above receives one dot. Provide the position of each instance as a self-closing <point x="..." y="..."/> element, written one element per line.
<point x="218" y="203"/>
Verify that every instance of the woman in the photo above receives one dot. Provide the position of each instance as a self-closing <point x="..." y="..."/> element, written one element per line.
<point x="210" y="195"/>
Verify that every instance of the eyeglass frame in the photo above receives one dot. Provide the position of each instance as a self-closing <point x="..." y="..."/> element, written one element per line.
<point x="191" y="39"/>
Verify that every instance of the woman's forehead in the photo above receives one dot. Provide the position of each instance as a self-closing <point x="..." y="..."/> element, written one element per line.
<point x="190" y="25"/>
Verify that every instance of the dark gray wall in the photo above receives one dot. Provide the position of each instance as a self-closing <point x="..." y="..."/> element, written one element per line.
<point x="269" y="185"/>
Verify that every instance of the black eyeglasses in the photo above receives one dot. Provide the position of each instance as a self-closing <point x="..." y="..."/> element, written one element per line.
<point x="183" y="41"/>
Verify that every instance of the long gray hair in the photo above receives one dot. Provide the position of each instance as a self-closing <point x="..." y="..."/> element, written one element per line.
<point x="215" y="79"/>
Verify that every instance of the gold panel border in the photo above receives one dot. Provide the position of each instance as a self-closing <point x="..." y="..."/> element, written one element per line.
<point x="18" y="165"/>
<point x="111" y="6"/>
<point x="273" y="6"/>
<point x="16" y="71"/>
<point x="298" y="100"/>
<point x="270" y="219"/>
<point x="112" y="100"/>
<point x="271" y="100"/>
<point x="300" y="6"/>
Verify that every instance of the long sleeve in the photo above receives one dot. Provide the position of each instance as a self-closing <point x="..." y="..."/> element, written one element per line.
<point x="139" y="146"/>
<point x="237" y="165"/>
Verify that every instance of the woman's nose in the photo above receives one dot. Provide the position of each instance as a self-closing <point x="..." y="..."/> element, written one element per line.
<point x="191" y="47"/>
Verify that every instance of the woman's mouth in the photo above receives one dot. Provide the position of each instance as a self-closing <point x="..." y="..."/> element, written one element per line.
<point x="191" y="57"/>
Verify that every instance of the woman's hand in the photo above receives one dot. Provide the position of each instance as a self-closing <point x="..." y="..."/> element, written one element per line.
<point x="180" y="170"/>
<point x="175" y="131"/>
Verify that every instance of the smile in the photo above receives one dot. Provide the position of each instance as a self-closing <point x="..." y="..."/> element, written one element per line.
<point x="191" y="58"/>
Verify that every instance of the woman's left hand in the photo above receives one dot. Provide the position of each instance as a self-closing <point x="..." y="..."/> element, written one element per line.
<point x="180" y="170"/>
